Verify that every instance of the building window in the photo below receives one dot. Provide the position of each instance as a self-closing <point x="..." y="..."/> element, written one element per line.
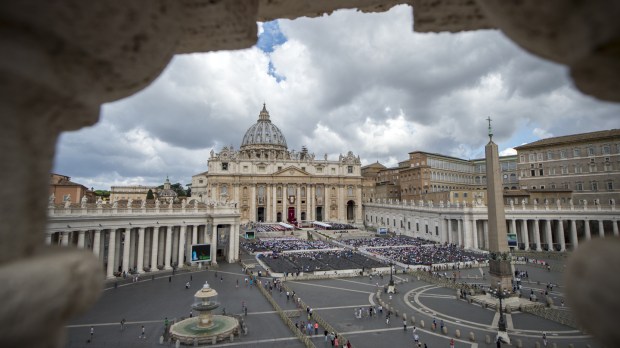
<point x="350" y="191"/>
<point x="577" y="169"/>
<point x="333" y="170"/>
<point x="279" y="168"/>
<point x="578" y="186"/>
<point x="590" y="151"/>
<point x="606" y="150"/>
<point x="350" y="169"/>
<point x="576" y="152"/>
<point x="532" y="157"/>
<point x="224" y="165"/>
<point x="200" y="181"/>
<point x="562" y="154"/>
<point x="549" y="155"/>
<point x="303" y="168"/>
<point x="261" y="169"/>
<point x="409" y="225"/>
<point x="592" y="168"/>
<point x="245" y="169"/>
<point x="319" y="170"/>
<point x="610" y="186"/>
<point x="417" y="227"/>
<point x="594" y="186"/>
<point x="521" y="160"/>
<point x="539" y="156"/>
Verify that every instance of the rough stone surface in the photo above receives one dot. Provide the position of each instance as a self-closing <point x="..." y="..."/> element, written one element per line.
<point x="62" y="59"/>
<point x="592" y="291"/>
<point x="50" y="289"/>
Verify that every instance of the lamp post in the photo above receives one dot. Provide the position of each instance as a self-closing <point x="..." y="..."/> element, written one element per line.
<point x="391" y="288"/>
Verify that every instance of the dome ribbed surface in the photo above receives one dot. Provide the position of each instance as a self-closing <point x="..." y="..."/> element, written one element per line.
<point x="263" y="132"/>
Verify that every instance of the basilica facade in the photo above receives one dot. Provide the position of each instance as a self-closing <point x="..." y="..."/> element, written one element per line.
<point x="271" y="183"/>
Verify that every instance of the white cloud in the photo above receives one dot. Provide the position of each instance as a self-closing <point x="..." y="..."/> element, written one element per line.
<point x="508" y="152"/>
<point x="354" y="81"/>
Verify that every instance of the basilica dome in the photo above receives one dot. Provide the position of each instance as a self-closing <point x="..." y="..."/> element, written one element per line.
<point x="263" y="132"/>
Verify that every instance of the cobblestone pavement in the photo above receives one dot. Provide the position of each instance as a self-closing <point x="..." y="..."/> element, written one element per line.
<point x="149" y="301"/>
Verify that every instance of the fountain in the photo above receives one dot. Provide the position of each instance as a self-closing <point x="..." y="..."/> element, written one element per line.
<point x="206" y="327"/>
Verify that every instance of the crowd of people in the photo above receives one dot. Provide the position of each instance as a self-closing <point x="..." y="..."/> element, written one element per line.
<point x="383" y="242"/>
<point x="429" y="254"/>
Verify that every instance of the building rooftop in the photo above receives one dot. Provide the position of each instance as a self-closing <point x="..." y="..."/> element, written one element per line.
<point x="565" y="139"/>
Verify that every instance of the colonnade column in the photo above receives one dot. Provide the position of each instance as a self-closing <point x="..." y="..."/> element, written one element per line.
<point x="126" y="250"/>
<point x="140" y="263"/>
<point x="573" y="234"/>
<point x="181" y="256"/>
<point x="586" y="227"/>
<point x="64" y="238"/>
<point x="561" y="239"/>
<point x="111" y="250"/>
<point x="154" y="248"/>
<point x="267" y="203"/>
<point x="96" y="241"/>
<point x="513" y="226"/>
<point x="81" y="239"/>
<point x="308" y="203"/>
<point x="548" y="236"/>
<point x="601" y="231"/>
<point x="447" y="233"/>
<point x="168" y="248"/>
<point x="213" y="244"/>
<point x="537" y="235"/>
<point x="195" y="235"/>
<point x="485" y="227"/>
<point x="474" y="233"/>
<point x="341" y="201"/>
<point x="614" y="225"/>
<point x="525" y="234"/>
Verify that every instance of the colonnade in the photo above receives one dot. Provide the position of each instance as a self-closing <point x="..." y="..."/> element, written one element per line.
<point x="548" y="230"/>
<point x="148" y="248"/>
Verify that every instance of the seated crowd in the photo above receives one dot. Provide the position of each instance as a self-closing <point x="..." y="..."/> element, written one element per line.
<point x="429" y="254"/>
<point x="283" y="244"/>
<point x="382" y="241"/>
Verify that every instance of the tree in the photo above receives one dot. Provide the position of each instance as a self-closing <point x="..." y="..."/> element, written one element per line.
<point x="149" y="195"/>
<point x="188" y="191"/>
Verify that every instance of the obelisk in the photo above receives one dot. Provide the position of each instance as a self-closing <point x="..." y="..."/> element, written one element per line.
<point x="500" y="267"/>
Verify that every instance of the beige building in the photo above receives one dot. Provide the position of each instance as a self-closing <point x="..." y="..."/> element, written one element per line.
<point x="136" y="192"/>
<point x="438" y="177"/>
<point x="64" y="190"/>
<point x="274" y="184"/>
<point x="587" y="163"/>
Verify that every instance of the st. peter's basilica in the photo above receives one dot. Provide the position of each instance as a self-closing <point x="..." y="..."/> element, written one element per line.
<point x="274" y="184"/>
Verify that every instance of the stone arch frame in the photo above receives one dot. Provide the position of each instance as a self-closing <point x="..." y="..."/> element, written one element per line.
<point x="108" y="63"/>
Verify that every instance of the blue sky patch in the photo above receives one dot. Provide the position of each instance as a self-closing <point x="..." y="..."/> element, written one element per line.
<point x="270" y="38"/>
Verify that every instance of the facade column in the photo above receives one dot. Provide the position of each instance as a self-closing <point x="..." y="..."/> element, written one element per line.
<point x="513" y="226"/>
<point x="459" y="231"/>
<point x="181" y="254"/>
<point x="548" y="236"/>
<point x="253" y="202"/>
<point x="298" y="201"/>
<point x="194" y="234"/>
<point x="96" y="241"/>
<point x="525" y="234"/>
<point x="126" y="247"/>
<point x="614" y="225"/>
<point x="601" y="230"/>
<point x="214" y="244"/>
<point x="111" y="251"/>
<point x="154" y="248"/>
<point x="117" y="250"/>
<point x="537" y="234"/>
<point x="586" y="227"/>
<point x="573" y="234"/>
<point x="446" y="230"/>
<point x="274" y="202"/>
<point x="359" y="214"/>
<point x="168" y="248"/>
<point x="561" y="239"/>
<point x="81" y="239"/>
<point x="341" y="201"/>
<point x="267" y="203"/>
<point x="284" y="202"/>
<point x="140" y="261"/>
<point x="308" y="212"/>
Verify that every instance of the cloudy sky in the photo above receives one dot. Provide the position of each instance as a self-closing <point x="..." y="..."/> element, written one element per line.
<point x="348" y="81"/>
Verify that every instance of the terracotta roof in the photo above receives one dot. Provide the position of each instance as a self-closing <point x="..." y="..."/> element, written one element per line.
<point x="599" y="135"/>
